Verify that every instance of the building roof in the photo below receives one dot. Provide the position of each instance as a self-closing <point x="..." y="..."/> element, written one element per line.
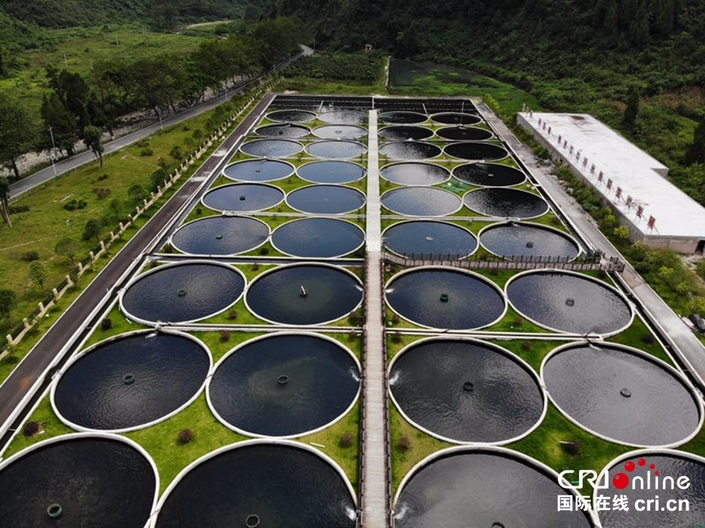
<point x="632" y="170"/>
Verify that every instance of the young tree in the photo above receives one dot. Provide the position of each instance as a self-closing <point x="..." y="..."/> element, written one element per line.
<point x="8" y="301"/>
<point x="37" y="273"/>
<point x="5" y="199"/>
<point x="696" y="152"/>
<point x="92" y="229"/>
<point x="92" y="138"/>
<point x="632" y="110"/>
<point x="66" y="247"/>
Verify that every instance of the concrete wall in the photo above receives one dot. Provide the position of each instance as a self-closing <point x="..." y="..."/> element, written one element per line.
<point x="655" y="241"/>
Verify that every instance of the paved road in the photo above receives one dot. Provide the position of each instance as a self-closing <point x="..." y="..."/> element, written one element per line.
<point x="678" y="336"/>
<point x="76" y="320"/>
<point x="71" y="163"/>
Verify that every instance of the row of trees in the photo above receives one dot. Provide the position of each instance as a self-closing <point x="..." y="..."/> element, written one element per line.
<point x="78" y="108"/>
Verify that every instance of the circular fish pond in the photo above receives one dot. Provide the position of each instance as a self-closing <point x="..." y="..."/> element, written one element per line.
<point x="326" y="199"/>
<point x="494" y="487"/>
<point x="469" y="150"/>
<point x="272" y="148"/>
<point x="569" y="302"/>
<point x="405" y="133"/>
<point x="505" y="203"/>
<point x="220" y="235"/>
<point x="343" y="117"/>
<point x="340" y="132"/>
<point x="243" y="197"/>
<point x="178" y="293"/>
<point x="318" y="238"/>
<point x="336" y="149"/>
<point x="258" y="170"/>
<point x="453" y="118"/>
<point x="464" y="133"/>
<point x="415" y="174"/>
<point x="423" y="237"/>
<point x="131" y="381"/>
<point x="402" y="118"/>
<point x="466" y="391"/>
<point x="489" y="175"/>
<point x="528" y="240"/>
<point x="421" y="201"/>
<point x="304" y="294"/>
<point x="291" y="116"/>
<point x="445" y="298"/>
<point x="284" y="385"/>
<point x="259" y="484"/>
<point x="331" y="172"/>
<point x="622" y="394"/>
<point x="661" y="479"/>
<point x="79" y="480"/>
<point x="409" y="150"/>
<point x="284" y="131"/>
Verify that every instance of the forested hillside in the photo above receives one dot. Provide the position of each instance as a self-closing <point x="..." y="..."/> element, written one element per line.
<point x="71" y="13"/>
<point x="572" y="55"/>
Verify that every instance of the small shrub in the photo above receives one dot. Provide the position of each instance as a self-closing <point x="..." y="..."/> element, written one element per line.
<point x="395" y="318"/>
<point x="185" y="128"/>
<point x="232" y="315"/>
<point x="494" y="271"/>
<point x="264" y="251"/>
<point x="346" y="440"/>
<point x="518" y="321"/>
<point x="14" y="209"/>
<point x="396" y="338"/>
<point x="30" y="256"/>
<point x="572" y="448"/>
<point x="255" y="267"/>
<point x="526" y="345"/>
<point x="143" y="143"/>
<point x="103" y="177"/>
<point x="197" y="134"/>
<point x="404" y="444"/>
<point x="185" y="436"/>
<point x="101" y="192"/>
<point x="176" y="152"/>
<point x="75" y="204"/>
<point x="146" y="152"/>
<point x="106" y="324"/>
<point x="32" y="429"/>
<point x="352" y="335"/>
<point x="199" y="211"/>
<point x="224" y="336"/>
<point x="648" y="339"/>
<point x="168" y="248"/>
<point x="354" y="319"/>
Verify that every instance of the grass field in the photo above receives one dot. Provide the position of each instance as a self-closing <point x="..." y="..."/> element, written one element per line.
<point x="81" y="49"/>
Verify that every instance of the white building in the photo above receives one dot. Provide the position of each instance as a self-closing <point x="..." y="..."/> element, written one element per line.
<point x="631" y="181"/>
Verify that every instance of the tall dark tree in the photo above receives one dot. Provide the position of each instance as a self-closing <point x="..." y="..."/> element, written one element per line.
<point x="16" y="133"/>
<point x="92" y="137"/>
<point x="631" y="112"/>
<point x="62" y="122"/>
<point x="5" y="200"/>
<point x="74" y="93"/>
<point x="696" y="152"/>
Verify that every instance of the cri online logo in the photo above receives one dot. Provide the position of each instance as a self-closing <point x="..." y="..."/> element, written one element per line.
<point x="624" y="479"/>
<point x="621" y="480"/>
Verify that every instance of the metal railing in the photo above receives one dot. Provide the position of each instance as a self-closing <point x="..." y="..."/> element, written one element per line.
<point x="593" y="262"/>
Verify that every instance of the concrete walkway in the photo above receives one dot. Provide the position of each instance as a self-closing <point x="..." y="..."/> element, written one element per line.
<point x="374" y="476"/>
<point x="680" y="338"/>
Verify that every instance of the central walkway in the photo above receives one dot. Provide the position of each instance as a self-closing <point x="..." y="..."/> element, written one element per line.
<point x="374" y="469"/>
